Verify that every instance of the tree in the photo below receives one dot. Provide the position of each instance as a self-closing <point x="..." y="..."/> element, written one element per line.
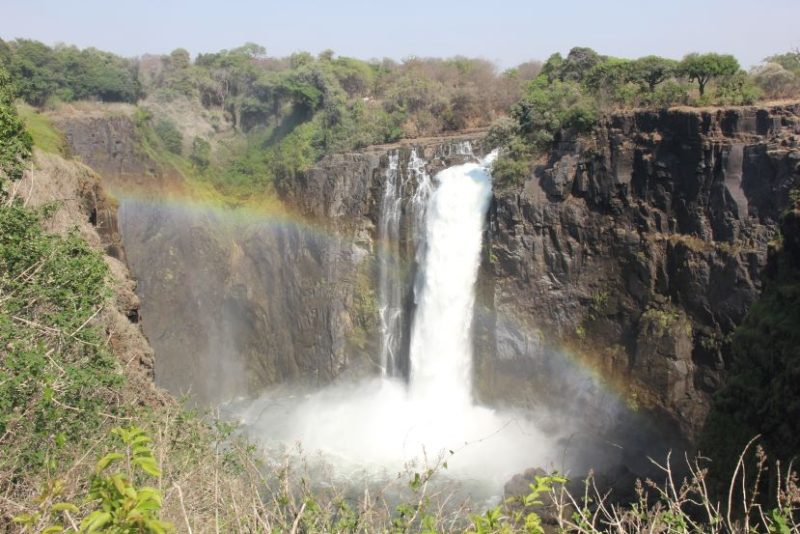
<point x="179" y="59"/>
<point x="609" y="75"/>
<point x="578" y="63"/>
<point x="652" y="70"/>
<point x="702" y="68"/>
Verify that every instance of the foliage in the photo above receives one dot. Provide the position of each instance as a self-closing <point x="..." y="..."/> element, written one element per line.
<point x="68" y="73"/>
<point x="652" y="70"/>
<point x="703" y="68"/>
<point x="119" y="505"/>
<point x="56" y="369"/>
<point x="737" y="89"/>
<point x="169" y="135"/>
<point x="15" y="142"/>
<point x="789" y="61"/>
<point x="761" y="396"/>
<point x="201" y="153"/>
<point x="777" y="81"/>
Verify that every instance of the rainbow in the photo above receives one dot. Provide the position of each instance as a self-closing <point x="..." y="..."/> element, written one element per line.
<point x="581" y="361"/>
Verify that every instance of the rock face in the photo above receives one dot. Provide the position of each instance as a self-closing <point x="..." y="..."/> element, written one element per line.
<point x="234" y="301"/>
<point x="80" y="204"/>
<point x="636" y="252"/>
<point x="630" y="256"/>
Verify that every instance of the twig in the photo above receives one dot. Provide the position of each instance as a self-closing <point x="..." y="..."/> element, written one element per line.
<point x="183" y="508"/>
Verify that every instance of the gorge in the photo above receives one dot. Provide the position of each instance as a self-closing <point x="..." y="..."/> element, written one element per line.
<point x="606" y="288"/>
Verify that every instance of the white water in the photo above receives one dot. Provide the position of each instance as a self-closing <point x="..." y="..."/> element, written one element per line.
<point x="441" y="344"/>
<point x="380" y="424"/>
<point x="390" y="289"/>
<point x="416" y="183"/>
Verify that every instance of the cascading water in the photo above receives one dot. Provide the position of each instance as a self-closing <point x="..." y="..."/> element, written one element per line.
<point x="441" y="345"/>
<point x="390" y="291"/>
<point x="392" y="281"/>
<point x="383" y="423"/>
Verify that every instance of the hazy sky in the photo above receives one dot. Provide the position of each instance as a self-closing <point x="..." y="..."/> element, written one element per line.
<point x="505" y="31"/>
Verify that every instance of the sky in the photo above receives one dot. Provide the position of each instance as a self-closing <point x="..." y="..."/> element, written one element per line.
<point x="507" y="32"/>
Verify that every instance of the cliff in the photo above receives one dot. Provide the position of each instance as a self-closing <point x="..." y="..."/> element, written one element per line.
<point x="80" y="204"/>
<point x="612" y="277"/>
<point x="237" y="300"/>
<point x="640" y="250"/>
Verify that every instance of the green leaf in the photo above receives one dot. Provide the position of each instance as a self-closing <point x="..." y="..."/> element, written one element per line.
<point x="95" y="521"/>
<point x="148" y="465"/>
<point x="107" y="460"/>
<point x="66" y="507"/>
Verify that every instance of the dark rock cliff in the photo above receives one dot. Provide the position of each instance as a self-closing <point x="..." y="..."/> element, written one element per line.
<point x="637" y="252"/>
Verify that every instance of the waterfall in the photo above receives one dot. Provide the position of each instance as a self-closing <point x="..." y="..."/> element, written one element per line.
<point x="373" y="426"/>
<point x="389" y="282"/>
<point x="441" y="345"/>
<point x="414" y="185"/>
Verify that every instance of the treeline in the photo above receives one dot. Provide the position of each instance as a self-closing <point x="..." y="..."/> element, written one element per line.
<point x="46" y="74"/>
<point x="571" y="93"/>
<point x="295" y="109"/>
<point x="388" y="99"/>
<point x="298" y="108"/>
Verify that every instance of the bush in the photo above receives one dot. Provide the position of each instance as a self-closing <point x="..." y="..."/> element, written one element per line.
<point x="169" y="135"/>
<point x="737" y="89"/>
<point x="201" y="153"/>
<point x="56" y="370"/>
<point x="776" y="81"/>
<point x="549" y="107"/>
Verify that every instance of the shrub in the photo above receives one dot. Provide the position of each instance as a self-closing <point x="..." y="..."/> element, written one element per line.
<point x="776" y="81"/>
<point x="170" y="135"/>
<point x="201" y="153"/>
<point x="737" y="89"/>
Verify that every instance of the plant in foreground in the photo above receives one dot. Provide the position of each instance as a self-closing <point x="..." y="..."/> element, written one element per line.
<point x="118" y="505"/>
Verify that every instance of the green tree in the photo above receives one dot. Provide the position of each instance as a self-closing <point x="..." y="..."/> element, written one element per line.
<point x="547" y="108"/>
<point x="16" y="144"/>
<point x="578" y="63"/>
<point x="702" y="68"/>
<point x="652" y="70"/>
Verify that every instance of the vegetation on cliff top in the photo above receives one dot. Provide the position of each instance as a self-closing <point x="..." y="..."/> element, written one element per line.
<point x="269" y="118"/>
<point x="571" y="93"/>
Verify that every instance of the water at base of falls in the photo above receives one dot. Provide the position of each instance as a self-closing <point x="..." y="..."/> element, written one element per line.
<point x="380" y="424"/>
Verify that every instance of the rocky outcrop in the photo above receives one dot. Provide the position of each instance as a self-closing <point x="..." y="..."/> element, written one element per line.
<point x="636" y="252"/>
<point x="79" y="204"/>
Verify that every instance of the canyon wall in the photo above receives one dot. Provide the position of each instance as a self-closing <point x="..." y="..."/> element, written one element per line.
<point x="237" y="300"/>
<point x="637" y="252"/>
<point x="612" y="276"/>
